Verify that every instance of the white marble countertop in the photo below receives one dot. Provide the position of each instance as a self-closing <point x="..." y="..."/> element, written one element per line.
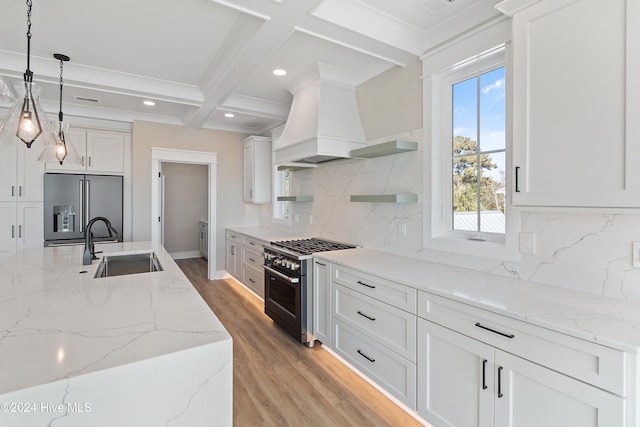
<point x="57" y="322"/>
<point x="608" y="321"/>
<point x="264" y="234"/>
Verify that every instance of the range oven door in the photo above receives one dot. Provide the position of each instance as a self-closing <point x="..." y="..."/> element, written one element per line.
<point x="283" y="296"/>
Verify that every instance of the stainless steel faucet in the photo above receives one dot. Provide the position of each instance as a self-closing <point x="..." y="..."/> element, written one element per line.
<point x="89" y="246"/>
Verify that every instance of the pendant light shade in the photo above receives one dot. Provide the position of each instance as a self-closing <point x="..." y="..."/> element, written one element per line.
<point x="6" y="94"/>
<point x="27" y="115"/>
<point x="58" y="147"/>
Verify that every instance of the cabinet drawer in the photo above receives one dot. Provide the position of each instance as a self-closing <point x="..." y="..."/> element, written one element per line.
<point x="601" y="366"/>
<point x="383" y="323"/>
<point x="394" y="373"/>
<point x="396" y="294"/>
<point x="234" y="237"/>
<point x="252" y="258"/>
<point x="252" y="244"/>
<point x="254" y="280"/>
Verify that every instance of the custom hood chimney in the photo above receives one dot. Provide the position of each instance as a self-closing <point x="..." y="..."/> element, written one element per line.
<point x="323" y="124"/>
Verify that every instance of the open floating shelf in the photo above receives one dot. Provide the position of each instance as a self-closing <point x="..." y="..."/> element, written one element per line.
<point x="296" y="167"/>
<point x="385" y="149"/>
<point x="295" y="198"/>
<point x="385" y="198"/>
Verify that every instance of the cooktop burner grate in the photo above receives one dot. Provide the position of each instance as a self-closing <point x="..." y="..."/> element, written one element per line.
<point x="311" y="246"/>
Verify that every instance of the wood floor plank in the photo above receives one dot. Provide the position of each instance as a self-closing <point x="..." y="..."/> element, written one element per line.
<point x="278" y="381"/>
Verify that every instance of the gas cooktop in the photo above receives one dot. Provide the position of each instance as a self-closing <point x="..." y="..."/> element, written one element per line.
<point x="311" y="246"/>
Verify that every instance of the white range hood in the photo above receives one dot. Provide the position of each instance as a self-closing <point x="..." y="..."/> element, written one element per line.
<point x="323" y="125"/>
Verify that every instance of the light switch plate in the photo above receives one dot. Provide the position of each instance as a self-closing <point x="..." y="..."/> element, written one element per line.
<point x="527" y="243"/>
<point x="635" y="255"/>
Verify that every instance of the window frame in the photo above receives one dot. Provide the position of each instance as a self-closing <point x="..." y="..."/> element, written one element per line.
<point x="280" y="188"/>
<point x="438" y="210"/>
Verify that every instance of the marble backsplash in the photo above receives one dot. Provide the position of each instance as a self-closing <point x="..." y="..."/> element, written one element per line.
<point x="587" y="251"/>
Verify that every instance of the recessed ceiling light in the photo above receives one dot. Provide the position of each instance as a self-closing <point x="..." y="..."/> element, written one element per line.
<point x="279" y="72"/>
<point x="229" y="115"/>
<point x="149" y="103"/>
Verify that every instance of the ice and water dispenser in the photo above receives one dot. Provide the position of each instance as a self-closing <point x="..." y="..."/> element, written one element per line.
<point x="64" y="219"/>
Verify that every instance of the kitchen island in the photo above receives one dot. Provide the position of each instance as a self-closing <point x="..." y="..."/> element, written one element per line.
<point x="138" y="349"/>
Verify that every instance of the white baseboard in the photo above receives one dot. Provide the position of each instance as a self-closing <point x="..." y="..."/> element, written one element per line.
<point x="183" y="255"/>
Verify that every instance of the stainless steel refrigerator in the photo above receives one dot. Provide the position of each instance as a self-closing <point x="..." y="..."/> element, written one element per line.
<point x="70" y="201"/>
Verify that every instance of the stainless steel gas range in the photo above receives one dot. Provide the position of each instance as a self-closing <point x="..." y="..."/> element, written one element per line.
<point x="289" y="282"/>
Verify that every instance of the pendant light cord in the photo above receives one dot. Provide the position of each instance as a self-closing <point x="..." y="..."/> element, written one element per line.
<point x="60" y="115"/>
<point x="28" y="75"/>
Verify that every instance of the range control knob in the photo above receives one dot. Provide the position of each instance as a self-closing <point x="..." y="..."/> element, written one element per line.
<point x="294" y="266"/>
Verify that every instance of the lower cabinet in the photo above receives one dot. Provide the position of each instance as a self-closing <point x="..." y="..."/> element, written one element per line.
<point x="322" y="301"/>
<point x="21" y="227"/>
<point x="465" y="382"/>
<point x="252" y="272"/>
<point x="204" y="239"/>
<point x="234" y="255"/>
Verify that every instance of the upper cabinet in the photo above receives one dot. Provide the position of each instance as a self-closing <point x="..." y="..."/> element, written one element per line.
<point x="576" y="98"/>
<point x="21" y="173"/>
<point x="257" y="169"/>
<point x="99" y="151"/>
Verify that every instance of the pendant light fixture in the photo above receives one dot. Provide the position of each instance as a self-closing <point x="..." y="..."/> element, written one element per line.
<point x="26" y="115"/>
<point x="58" y="147"/>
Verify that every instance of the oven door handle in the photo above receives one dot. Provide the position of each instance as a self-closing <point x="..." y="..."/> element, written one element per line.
<point x="282" y="276"/>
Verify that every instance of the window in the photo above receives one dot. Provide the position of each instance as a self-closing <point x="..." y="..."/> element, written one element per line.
<point x="478" y="155"/>
<point x="466" y="183"/>
<point x="281" y="187"/>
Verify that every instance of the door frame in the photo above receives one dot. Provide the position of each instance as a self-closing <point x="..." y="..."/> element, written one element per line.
<point x="160" y="155"/>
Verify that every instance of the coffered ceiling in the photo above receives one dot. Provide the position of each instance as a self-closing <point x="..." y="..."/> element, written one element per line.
<point x="200" y="59"/>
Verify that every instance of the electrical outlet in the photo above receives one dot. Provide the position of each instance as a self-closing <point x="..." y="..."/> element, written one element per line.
<point x="402" y="229"/>
<point x="635" y="254"/>
<point x="527" y="243"/>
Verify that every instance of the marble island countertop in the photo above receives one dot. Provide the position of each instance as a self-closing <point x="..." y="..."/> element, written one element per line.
<point x="60" y="327"/>
<point x="608" y="321"/>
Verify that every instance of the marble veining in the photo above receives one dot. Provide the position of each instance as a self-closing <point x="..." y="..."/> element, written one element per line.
<point x="60" y="327"/>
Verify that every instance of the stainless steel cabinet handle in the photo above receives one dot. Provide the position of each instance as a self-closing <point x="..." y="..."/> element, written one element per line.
<point x="370" y="359"/>
<point x="20" y="191"/>
<point x="13" y="191"/>
<point x="13" y="231"/>
<point x="486" y="328"/>
<point x="252" y="260"/>
<point x="233" y="250"/>
<point x="517" y="172"/>
<point x="484" y="374"/>
<point x="364" y="284"/>
<point x="82" y="161"/>
<point x="20" y="232"/>
<point x="252" y="281"/>
<point x="319" y="263"/>
<point x="500" y="395"/>
<point x="365" y="316"/>
<point x="89" y="161"/>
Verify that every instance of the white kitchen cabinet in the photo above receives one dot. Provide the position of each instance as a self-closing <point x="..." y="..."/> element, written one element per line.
<point x="22" y="226"/>
<point x="576" y="97"/>
<point x="21" y="175"/>
<point x="99" y="151"/>
<point x="373" y="326"/>
<point x="322" y="301"/>
<point x="462" y="381"/>
<point x="252" y="272"/>
<point x="204" y="239"/>
<point x="234" y="254"/>
<point x="256" y="170"/>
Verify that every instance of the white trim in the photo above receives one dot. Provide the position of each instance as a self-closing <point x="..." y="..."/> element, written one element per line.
<point x="435" y="70"/>
<point x="185" y="255"/>
<point x="159" y="155"/>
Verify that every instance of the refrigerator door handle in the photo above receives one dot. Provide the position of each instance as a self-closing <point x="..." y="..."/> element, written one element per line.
<point x="81" y="216"/>
<point x="87" y="199"/>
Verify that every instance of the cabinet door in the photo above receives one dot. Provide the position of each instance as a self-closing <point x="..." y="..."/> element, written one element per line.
<point x="455" y="378"/>
<point x="233" y="260"/>
<point x="30" y="225"/>
<point x="529" y="395"/>
<point x="105" y="152"/>
<point x="576" y="96"/>
<point x="322" y="302"/>
<point x="8" y="172"/>
<point x="75" y="140"/>
<point x="30" y="175"/>
<point x="8" y="231"/>
<point x="247" y="171"/>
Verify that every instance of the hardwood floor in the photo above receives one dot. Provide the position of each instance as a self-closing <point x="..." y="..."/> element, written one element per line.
<point x="279" y="382"/>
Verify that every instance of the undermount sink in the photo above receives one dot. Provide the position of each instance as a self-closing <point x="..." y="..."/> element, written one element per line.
<point x="120" y="265"/>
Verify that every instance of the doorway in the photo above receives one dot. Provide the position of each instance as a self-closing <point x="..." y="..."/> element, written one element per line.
<point x="210" y="160"/>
